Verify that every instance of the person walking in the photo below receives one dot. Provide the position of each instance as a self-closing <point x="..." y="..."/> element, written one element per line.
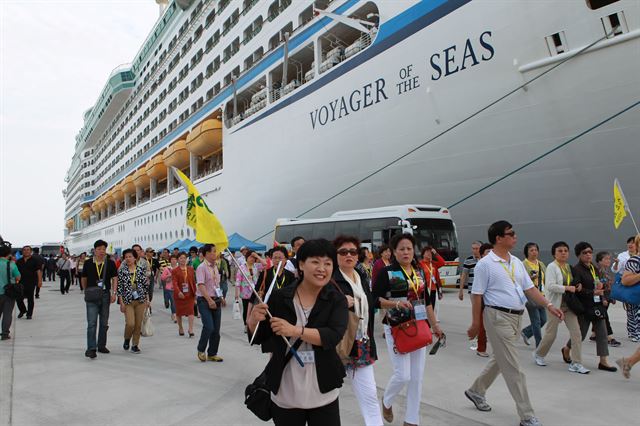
<point x="184" y="292"/>
<point x="354" y="284"/>
<point x="9" y="274"/>
<point x="468" y="267"/>
<point x="246" y="280"/>
<point x="225" y="272"/>
<point x="401" y="288"/>
<point x="619" y="267"/>
<point x="558" y="281"/>
<point x="383" y="260"/>
<point x="537" y="314"/>
<point x="80" y="264"/>
<point x="603" y="263"/>
<point x="292" y="262"/>
<point x="210" y="304"/>
<point x="41" y="262"/>
<point x="30" y="278"/>
<point x="430" y="264"/>
<point x="51" y="267"/>
<point x="285" y="277"/>
<point x="64" y="273"/>
<point x="166" y="278"/>
<point x="313" y="315"/>
<point x="502" y="282"/>
<point x="364" y="262"/>
<point x="99" y="282"/>
<point x="133" y="296"/>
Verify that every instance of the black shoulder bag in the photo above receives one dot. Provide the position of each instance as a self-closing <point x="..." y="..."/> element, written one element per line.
<point x="257" y="396"/>
<point x="12" y="290"/>
<point x="93" y="294"/>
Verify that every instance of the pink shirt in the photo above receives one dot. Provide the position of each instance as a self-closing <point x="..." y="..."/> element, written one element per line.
<point x="208" y="275"/>
<point x="166" y="277"/>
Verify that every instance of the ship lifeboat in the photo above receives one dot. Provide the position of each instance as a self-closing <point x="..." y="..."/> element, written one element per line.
<point x="176" y="155"/>
<point x="108" y="197"/>
<point x="140" y="178"/>
<point x="206" y="138"/>
<point x="85" y="213"/>
<point x="128" y="187"/>
<point x="69" y="224"/>
<point x="156" y="169"/>
<point x="117" y="193"/>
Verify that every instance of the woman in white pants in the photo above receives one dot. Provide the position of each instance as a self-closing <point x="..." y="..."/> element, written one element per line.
<point x="355" y="286"/>
<point x="399" y="288"/>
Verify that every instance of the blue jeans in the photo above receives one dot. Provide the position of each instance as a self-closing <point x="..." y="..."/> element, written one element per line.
<point x="168" y="297"/>
<point x="224" y="286"/>
<point x="211" y="319"/>
<point x="538" y="317"/>
<point x="95" y="310"/>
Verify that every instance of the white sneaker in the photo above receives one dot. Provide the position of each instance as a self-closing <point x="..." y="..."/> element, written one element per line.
<point x="525" y="339"/>
<point x="574" y="367"/>
<point x="474" y="345"/>
<point x="482" y="354"/>
<point x="531" y="421"/>
<point x="538" y="360"/>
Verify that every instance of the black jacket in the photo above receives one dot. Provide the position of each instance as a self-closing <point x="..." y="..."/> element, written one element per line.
<point x="582" y="275"/>
<point x="373" y="304"/>
<point x="329" y="316"/>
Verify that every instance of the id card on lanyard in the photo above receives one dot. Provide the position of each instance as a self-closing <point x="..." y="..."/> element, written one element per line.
<point x="99" y="269"/>
<point x="512" y="275"/>
<point x="596" y="280"/>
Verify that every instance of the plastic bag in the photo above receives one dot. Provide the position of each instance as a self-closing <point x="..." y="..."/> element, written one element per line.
<point x="147" y="325"/>
<point x="237" y="310"/>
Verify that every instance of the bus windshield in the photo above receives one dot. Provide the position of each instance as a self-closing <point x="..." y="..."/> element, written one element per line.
<point x="439" y="234"/>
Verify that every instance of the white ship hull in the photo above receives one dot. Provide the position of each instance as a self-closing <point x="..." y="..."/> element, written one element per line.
<point x="288" y="158"/>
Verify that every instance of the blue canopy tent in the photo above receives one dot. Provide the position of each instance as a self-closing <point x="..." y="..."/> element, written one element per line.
<point x="187" y="244"/>
<point x="237" y="241"/>
<point x="177" y="243"/>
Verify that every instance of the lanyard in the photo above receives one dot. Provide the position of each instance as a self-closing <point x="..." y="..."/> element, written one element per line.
<point x="133" y="278"/>
<point x="210" y="272"/>
<point x="596" y="279"/>
<point x="410" y="278"/>
<point x="281" y="283"/>
<point x="566" y="273"/>
<point x="512" y="273"/>
<point x="99" y="268"/>
<point x="536" y="267"/>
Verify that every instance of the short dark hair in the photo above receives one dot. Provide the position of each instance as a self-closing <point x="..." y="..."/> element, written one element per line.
<point x="557" y="245"/>
<point x="166" y="249"/>
<point x="248" y="253"/>
<point x="497" y="229"/>
<point x="631" y="239"/>
<point x="176" y="248"/>
<point x="395" y="240"/>
<point x="193" y="248"/>
<point x="134" y="246"/>
<point x="5" y="250"/>
<point x="484" y="247"/>
<point x="175" y="256"/>
<point x="601" y="255"/>
<point x="293" y="241"/>
<point x="527" y="247"/>
<point x="201" y="250"/>
<point x="425" y="249"/>
<point x="317" y="248"/>
<point x="100" y="243"/>
<point x="132" y="251"/>
<point x="27" y="246"/>
<point x="36" y="250"/>
<point x="182" y="253"/>
<point x="382" y="248"/>
<point x="207" y="248"/>
<point x="582" y="245"/>
<point x="282" y="250"/>
<point x="344" y="239"/>
<point x="362" y="254"/>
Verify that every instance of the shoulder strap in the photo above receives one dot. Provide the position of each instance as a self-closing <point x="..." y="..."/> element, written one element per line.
<point x="289" y="355"/>
<point x="8" y="271"/>
<point x="264" y="278"/>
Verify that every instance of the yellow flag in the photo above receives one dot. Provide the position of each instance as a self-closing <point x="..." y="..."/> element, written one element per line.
<point x="619" y="205"/>
<point x="199" y="217"/>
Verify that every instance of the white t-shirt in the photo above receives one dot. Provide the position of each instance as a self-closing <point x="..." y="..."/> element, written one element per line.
<point x="622" y="261"/>
<point x="493" y="280"/>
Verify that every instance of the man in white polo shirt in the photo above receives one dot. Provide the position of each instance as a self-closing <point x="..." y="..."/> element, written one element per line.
<point x="502" y="282"/>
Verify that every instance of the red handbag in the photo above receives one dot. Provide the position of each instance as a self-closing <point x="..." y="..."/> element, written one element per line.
<point x="411" y="336"/>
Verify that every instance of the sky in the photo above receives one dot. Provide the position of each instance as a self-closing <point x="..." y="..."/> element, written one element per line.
<point x="55" y="57"/>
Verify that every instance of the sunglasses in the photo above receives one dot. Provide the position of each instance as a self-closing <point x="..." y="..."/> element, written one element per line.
<point x="510" y="234"/>
<point x="586" y="252"/>
<point x="351" y="252"/>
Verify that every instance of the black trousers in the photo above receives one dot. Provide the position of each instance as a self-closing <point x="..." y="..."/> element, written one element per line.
<point x="328" y="415"/>
<point x="6" y="310"/>
<point x="29" y="290"/>
<point x="51" y="273"/>
<point x="245" y="308"/>
<point x="65" y="281"/>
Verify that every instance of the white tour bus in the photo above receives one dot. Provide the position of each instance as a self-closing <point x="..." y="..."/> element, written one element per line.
<point x="430" y="225"/>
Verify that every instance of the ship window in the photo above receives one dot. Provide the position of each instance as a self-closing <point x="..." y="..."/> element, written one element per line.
<point x="557" y="43"/>
<point x="597" y="4"/>
<point x="181" y="210"/>
<point x="182" y="233"/>
<point x="615" y="24"/>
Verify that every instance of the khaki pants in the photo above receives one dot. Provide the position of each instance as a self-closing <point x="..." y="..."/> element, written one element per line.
<point x="133" y="316"/>
<point x="503" y="331"/>
<point x="551" y="331"/>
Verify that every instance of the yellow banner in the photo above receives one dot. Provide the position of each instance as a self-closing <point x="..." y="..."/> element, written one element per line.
<point x="619" y="205"/>
<point x="208" y="228"/>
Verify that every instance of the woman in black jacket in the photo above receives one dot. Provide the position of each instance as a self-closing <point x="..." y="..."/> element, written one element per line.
<point x="355" y="286"/>
<point x="313" y="315"/>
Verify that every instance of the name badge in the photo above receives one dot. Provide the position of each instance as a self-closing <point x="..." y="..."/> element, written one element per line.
<point x="420" y="311"/>
<point x="218" y="292"/>
<point x="135" y="295"/>
<point x="100" y="284"/>
<point x="185" y="288"/>
<point x="521" y="295"/>
<point x="596" y="299"/>
<point x="307" y="357"/>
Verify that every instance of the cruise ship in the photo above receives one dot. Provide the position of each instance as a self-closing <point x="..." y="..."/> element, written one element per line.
<point x="521" y="110"/>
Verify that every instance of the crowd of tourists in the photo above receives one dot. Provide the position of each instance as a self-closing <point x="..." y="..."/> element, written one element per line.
<point x="313" y="310"/>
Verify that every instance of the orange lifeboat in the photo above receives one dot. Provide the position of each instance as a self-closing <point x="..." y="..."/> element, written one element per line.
<point x="108" y="197"/>
<point x="69" y="224"/>
<point x="85" y="213"/>
<point x="140" y="178"/>
<point x="176" y="155"/>
<point x="117" y="193"/>
<point x="128" y="187"/>
<point x="156" y="169"/>
<point x="206" y="138"/>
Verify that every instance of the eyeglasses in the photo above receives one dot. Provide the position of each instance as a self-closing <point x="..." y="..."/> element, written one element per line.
<point x="510" y="234"/>
<point x="350" y="252"/>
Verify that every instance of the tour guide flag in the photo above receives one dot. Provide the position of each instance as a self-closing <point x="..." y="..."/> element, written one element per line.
<point x="619" y="204"/>
<point x="199" y="217"/>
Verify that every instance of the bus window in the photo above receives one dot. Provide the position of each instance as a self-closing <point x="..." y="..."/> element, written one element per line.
<point x="323" y="230"/>
<point x="368" y="226"/>
<point x="284" y="234"/>
<point x="303" y="230"/>
<point x="348" y="227"/>
<point x="439" y="234"/>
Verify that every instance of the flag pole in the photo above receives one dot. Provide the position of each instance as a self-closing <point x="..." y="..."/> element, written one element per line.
<point x="633" y="221"/>
<point x="246" y="277"/>
<point x="266" y="297"/>
<point x="626" y="205"/>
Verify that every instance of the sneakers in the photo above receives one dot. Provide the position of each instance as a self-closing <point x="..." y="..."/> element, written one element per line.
<point x="482" y="354"/>
<point x="214" y="358"/>
<point x="474" y="345"/>
<point x="625" y="367"/>
<point x="125" y="345"/>
<point x="574" y="367"/>
<point x="135" y="350"/>
<point x="387" y="413"/>
<point x="202" y="357"/>
<point x="525" y="339"/>
<point x="478" y="400"/>
<point x="90" y="353"/>
<point x="539" y="360"/>
<point x="531" y="421"/>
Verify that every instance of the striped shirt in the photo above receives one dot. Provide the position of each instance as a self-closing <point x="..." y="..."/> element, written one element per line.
<point x="633" y="265"/>
<point x="468" y="266"/>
